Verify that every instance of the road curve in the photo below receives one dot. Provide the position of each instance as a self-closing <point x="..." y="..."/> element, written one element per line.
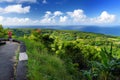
<point x="7" y="60"/>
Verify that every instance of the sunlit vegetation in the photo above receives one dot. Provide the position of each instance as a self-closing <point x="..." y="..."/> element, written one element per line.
<point x="3" y="32"/>
<point x="70" y="55"/>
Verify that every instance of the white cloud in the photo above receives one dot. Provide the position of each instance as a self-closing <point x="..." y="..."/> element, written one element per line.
<point x="19" y="1"/>
<point x="50" y="17"/>
<point x="105" y="17"/>
<point x="6" y="0"/>
<point x="15" y="9"/>
<point x="44" y="2"/>
<point x="63" y="19"/>
<point x="47" y="21"/>
<point x="47" y="18"/>
<point x="22" y="1"/>
<point x="47" y="14"/>
<point x="1" y="18"/>
<point x="77" y="15"/>
<point x="57" y="13"/>
<point x="16" y="21"/>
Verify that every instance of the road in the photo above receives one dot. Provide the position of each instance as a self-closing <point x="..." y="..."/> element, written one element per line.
<point x="7" y="60"/>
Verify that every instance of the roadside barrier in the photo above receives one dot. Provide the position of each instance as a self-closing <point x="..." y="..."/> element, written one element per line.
<point x="21" y="67"/>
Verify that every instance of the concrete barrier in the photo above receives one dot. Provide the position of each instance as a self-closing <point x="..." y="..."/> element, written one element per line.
<point x="2" y="41"/>
<point x="21" y="67"/>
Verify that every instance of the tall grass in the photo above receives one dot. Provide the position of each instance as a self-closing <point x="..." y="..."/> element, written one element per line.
<point x="42" y="65"/>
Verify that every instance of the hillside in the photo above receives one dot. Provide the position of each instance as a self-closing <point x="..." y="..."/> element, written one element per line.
<point x="70" y="55"/>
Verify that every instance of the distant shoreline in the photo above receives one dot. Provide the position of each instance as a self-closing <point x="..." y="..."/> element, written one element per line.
<point x="95" y="29"/>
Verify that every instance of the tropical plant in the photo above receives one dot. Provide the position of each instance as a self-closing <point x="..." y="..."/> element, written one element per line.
<point x="105" y="69"/>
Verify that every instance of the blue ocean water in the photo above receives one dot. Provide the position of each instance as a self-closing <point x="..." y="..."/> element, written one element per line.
<point x="114" y="30"/>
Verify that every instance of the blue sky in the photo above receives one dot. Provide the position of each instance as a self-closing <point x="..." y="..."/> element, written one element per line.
<point x="60" y="12"/>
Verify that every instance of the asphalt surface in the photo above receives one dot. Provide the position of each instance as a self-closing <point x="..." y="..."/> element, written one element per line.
<point x="7" y="60"/>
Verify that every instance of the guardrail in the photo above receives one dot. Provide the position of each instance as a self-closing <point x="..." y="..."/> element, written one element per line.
<point x="21" y="69"/>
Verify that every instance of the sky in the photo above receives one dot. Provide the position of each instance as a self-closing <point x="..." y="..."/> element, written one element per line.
<point x="60" y="12"/>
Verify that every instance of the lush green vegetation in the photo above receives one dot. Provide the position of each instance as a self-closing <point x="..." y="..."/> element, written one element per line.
<point x="43" y="66"/>
<point x="70" y="55"/>
<point x="3" y="32"/>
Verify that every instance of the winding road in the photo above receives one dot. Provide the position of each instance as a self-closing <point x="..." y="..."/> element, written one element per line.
<point x="7" y="60"/>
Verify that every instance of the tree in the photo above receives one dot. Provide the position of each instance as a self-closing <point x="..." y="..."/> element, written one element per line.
<point x="1" y="28"/>
<point x="1" y="31"/>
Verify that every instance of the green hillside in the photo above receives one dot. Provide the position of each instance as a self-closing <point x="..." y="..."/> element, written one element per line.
<point x="70" y="55"/>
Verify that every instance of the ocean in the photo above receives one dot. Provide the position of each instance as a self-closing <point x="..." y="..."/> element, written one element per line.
<point x="114" y="30"/>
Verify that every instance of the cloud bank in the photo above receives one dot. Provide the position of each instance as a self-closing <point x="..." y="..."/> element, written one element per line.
<point x="75" y="17"/>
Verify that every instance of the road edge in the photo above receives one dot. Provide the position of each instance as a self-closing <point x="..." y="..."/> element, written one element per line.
<point x="22" y="63"/>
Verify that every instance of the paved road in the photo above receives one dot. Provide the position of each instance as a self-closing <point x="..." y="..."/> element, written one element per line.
<point x="7" y="54"/>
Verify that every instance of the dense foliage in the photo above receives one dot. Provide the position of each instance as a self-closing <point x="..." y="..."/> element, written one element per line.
<point x="71" y="55"/>
<point x="3" y="32"/>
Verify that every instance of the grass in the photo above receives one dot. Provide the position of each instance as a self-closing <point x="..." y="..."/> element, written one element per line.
<point x="42" y="65"/>
<point x="47" y="67"/>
